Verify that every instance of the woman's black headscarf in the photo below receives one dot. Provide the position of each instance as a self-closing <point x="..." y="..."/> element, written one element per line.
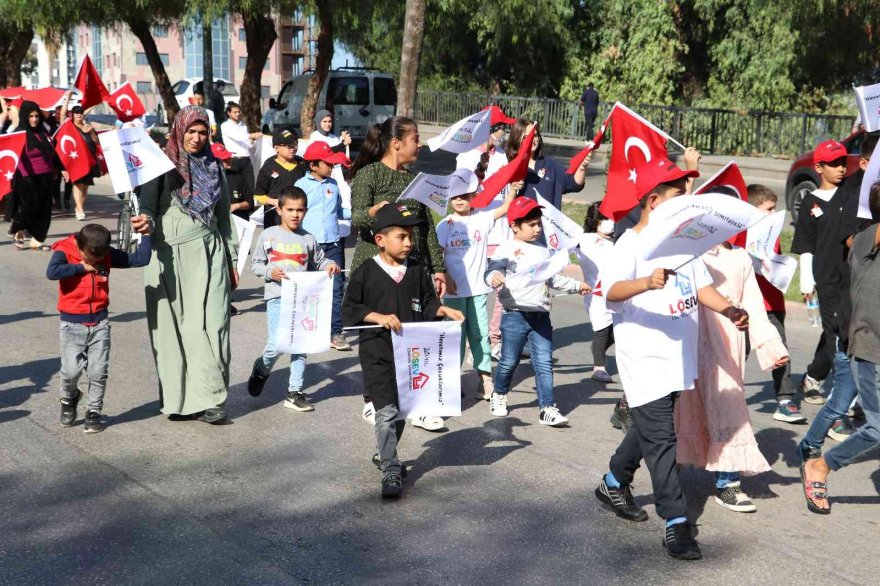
<point x="36" y="137"/>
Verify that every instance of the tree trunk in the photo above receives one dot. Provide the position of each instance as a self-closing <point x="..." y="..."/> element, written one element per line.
<point x="141" y="29"/>
<point x="261" y="35"/>
<point x="14" y="51"/>
<point x="322" y="67"/>
<point x="208" y="63"/>
<point x="410" y="56"/>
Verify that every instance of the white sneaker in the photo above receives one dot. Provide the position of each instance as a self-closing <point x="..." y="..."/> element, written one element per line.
<point x="498" y="405"/>
<point x="601" y="375"/>
<point x="81" y="216"/>
<point x="551" y="416"/>
<point x="428" y="423"/>
<point x="369" y="414"/>
<point x="496" y="351"/>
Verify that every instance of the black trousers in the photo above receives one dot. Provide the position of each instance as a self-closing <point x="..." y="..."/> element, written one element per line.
<point x="591" y="125"/>
<point x="33" y="205"/>
<point x="652" y="437"/>
<point x="823" y="358"/>
<point x="782" y="384"/>
<point x="602" y="340"/>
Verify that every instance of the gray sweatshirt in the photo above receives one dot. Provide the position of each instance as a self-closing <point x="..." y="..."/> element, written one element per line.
<point x="515" y="256"/>
<point x="278" y="248"/>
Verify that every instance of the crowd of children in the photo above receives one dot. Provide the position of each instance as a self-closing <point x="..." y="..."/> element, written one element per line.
<point x="678" y="334"/>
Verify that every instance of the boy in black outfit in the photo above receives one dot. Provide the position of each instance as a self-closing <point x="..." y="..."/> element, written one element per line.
<point x="389" y="290"/>
<point x="278" y="173"/>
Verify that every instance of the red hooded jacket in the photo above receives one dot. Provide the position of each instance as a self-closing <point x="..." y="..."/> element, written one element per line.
<point x="84" y="293"/>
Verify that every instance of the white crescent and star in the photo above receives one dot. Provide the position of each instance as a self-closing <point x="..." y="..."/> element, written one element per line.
<point x="635" y="141"/>
<point x="119" y="101"/>
<point x="72" y="154"/>
<point x="11" y="154"/>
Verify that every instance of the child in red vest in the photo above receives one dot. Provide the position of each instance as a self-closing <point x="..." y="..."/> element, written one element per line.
<point x="81" y="264"/>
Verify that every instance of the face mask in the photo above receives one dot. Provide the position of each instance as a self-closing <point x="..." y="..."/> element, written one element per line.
<point x="606" y="227"/>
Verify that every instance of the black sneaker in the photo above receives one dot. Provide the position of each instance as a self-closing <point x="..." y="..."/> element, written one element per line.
<point x="622" y="418"/>
<point x="620" y="500"/>
<point x="679" y="542"/>
<point x="68" y="409"/>
<point x="214" y="415"/>
<point x="376" y="463"/>
<point x="732" y="497"/>
<point x="297" y="401"/>
<point x="841" y="430"/>
<point x="93" y="422"/>
<point x="808" y="452"/>
<point x="257" y="381"/>
<point x="392" y="485"/>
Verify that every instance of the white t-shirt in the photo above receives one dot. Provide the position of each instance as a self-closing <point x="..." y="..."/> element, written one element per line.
<point x="656" y="332"/>
<point x="469" y="160"/>
<point x="593" y="251"/>
<point x="236" y="138"/>
<point x="331" y="139"/>
<point x="396" y="272"/>
<point x="464" y="241"/>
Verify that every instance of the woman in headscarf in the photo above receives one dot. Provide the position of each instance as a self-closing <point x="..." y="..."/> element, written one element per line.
<point x="324" y="132"/>
<point x="34" y="182"/>
<point x="192" y="273"/>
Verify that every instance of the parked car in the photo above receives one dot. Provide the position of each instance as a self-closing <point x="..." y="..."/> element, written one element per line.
<point x="358" y="97"/>
<point x="802" y="176"/>
<point x="184" y="89"/>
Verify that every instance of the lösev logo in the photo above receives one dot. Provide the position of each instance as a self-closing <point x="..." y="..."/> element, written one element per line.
<point x="418" y="359"/>
<point x="310" y="308"/>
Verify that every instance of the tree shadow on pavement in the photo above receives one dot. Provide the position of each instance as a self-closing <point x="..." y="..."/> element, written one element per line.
<point x="38" y="373"/>
<point x="11" y="318"/>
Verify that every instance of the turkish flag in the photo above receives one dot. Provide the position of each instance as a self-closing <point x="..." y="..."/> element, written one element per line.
<point x="591" y="146"/>
<point x="90" y="85"/>
<point x="73" y="151"/>
<point x="512" y="172"/>
<point x="497" y="116"/>
<point x="47" y="98"/>
<point x="11" y="146"/>
<point x="126" y="103"/>
<point x="99" y="154"/>
<point x="634" y="142"/>
<point x="730" y="177"/>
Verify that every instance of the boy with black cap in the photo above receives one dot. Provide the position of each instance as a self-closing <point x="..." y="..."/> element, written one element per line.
<point x="278" y="173"/>
<point x="389" y="290"/>
<point x="656" y="331"/>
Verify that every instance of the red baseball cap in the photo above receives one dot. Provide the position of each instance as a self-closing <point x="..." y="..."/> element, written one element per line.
<point x="220" y="152"/>
<point x="520" y="207"/>
<point x="653" y="173"/>
<point x="828" y="151"/>
<point x="321" y="151"/>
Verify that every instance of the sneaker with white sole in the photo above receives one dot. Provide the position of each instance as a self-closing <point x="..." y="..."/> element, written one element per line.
<point x="80" y="216"/>
<point x="369" y="413"/>
<point x="841" y="430"/>
<point x="601" y="375"/>
<point x="338" y="342"/>
<point x="732" y="497"/>
<point x="812" y="390"/>
<point x="487" y="386"/>
<point x="496" y="351"/>
<point x="788" y="412"/>
<point x="552" y="417"/>
<point x="297" y="401"/>
<point x="428" y="422"/>
<point x="498" y="405"/>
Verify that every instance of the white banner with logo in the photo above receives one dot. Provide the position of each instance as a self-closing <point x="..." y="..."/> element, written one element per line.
<point x="435" y="190"/>
<point x="540" y="272"/>
<point x="778" y="270"/>
<point x="868" y="100"/>
<point x="132" y="157"/>
<point x="245" y="231"/>
<point x="872" y="176"/>
<point x="426" y="358"/>
<point x="689" y="225"/>
<point x="761" y="240"/>
<point x="561" y="232"/>
<point x="466" y="134"/>
<point x="345" y="196"/>
<point x="306" y="308"/>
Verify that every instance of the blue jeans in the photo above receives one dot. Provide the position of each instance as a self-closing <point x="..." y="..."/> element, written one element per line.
<point x="335" y="251"/>
<point x="843" y="391"/>
<point x="265" y="362"/>
<point x="517" y="327"/>
<point x="724" y="479"/>
<point x="867" y="377"/>
<point x="85" y="348"/>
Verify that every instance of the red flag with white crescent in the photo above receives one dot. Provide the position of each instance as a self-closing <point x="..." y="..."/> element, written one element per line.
<point x="11" y="146"/>
<point x="731" y="177"/>
<point x="73" y="151"/>
<point x="634" y="142"/>
<point x="512" y="172"/>
<point x="126" y="103"/>
<point x="89" y="84"/>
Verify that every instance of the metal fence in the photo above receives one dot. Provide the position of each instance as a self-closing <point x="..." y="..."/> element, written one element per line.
<point x="713" y="131"/>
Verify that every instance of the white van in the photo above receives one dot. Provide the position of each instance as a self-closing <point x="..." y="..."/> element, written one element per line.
<point x="184" y="89"/>
<point x="358" y="97"/>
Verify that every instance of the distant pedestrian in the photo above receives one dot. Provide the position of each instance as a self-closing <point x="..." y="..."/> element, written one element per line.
<point x="324" y="133"/>
<point x="590" y="103"/>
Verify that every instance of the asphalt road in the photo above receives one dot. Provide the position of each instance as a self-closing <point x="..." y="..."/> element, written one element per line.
<point x="279" y="497"/>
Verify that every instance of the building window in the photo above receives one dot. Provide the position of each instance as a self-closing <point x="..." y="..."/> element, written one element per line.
<point x="265" y="91"/>
<point x="298" y="40"/>
<point x="97" y="53"/>
<point x="160" y="32"/>
<point x="297" y="66"/>
<point x="192" y="49"/>
<point x="242" y="62"/>
<point x="144" y="87"/>
<point x="242" y="36"/>
<point x="141" y="59"/>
